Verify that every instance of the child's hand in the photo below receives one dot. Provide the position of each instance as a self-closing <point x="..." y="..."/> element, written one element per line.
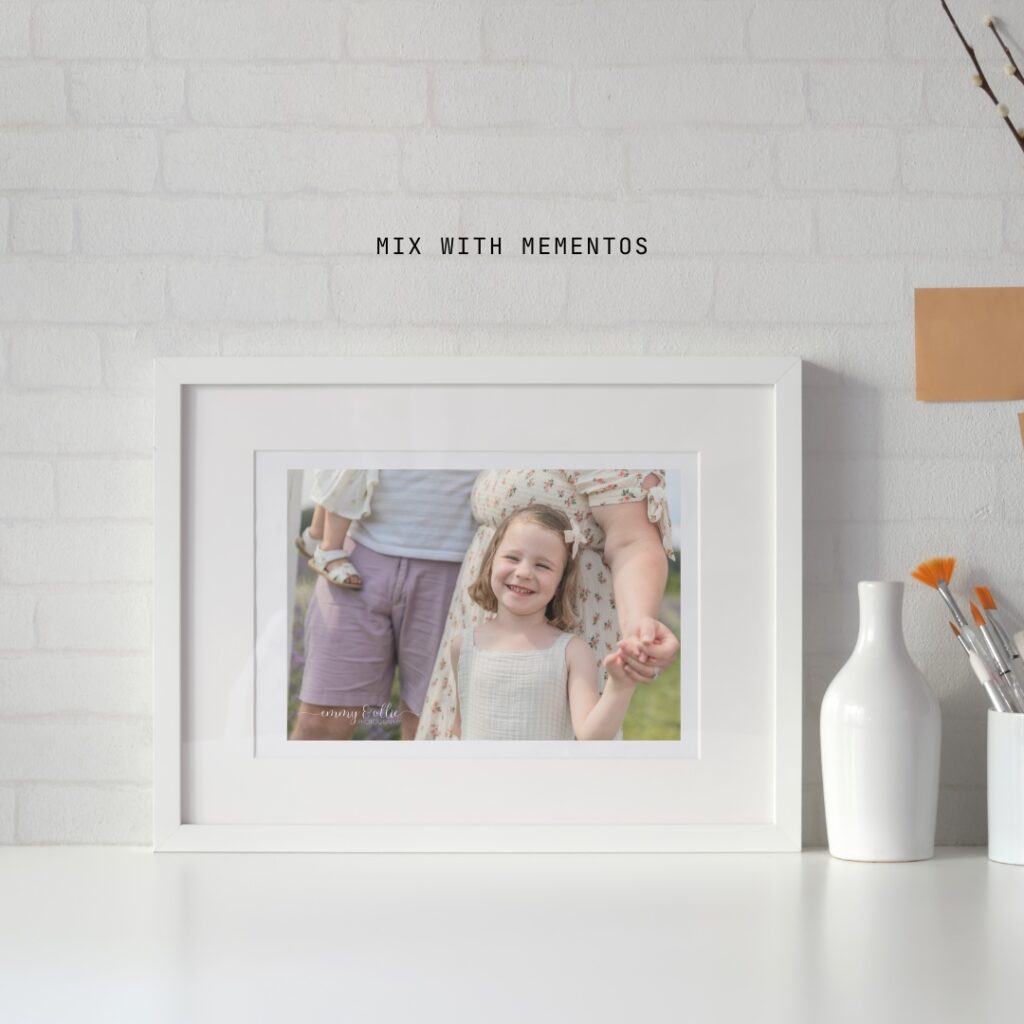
<point x="649" y="649"/>
<point x="631" y="647"/>
<point x="616" y="666"/>
<point x="635" y="661"/>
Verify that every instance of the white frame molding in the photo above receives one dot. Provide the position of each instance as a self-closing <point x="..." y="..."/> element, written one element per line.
<point x="174" y="376"/>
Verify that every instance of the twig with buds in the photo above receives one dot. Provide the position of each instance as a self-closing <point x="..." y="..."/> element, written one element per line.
<point x="981" y="81"/>
<point x="1011" y="69"/>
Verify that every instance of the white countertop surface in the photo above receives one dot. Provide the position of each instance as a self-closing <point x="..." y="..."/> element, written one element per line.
<point x="112" y="934"/>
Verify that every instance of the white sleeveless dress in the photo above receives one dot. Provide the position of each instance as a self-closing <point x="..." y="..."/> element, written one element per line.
<point x="514" y="695"/>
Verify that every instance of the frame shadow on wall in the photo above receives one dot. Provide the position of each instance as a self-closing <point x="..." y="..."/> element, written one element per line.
<point x="841" y="543"/>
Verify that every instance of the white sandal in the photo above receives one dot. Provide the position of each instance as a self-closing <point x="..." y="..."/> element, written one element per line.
<point x="306" y="543"/>
<point x="340" y="575"/>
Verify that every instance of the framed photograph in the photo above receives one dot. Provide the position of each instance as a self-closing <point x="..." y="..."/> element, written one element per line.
<point x="349" y="657"/>
<point x="388" y="619"/>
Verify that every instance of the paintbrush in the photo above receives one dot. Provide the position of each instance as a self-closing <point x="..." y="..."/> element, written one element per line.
<point x="983" y="673"/>
<point x="1010" y="687"/>
<point x="988" y="602"/>
<point x="936" y="573"/>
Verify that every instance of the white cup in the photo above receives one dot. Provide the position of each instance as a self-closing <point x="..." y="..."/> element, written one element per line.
<point x="1006" y="787"/>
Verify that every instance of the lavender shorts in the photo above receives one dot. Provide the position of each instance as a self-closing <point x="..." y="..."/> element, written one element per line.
<point x="356" y="638"/>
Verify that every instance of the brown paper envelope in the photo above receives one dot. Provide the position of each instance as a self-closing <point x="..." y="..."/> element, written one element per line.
<point x="970" y="344"/>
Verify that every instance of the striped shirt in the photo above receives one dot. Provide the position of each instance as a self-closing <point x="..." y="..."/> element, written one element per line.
<point x="419" y="513"/>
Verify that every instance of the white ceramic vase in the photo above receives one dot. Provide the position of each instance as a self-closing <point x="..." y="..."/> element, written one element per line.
<point x="881" y="731"/>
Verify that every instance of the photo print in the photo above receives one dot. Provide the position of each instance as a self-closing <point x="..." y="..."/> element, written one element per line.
<point x="506" y="604"/>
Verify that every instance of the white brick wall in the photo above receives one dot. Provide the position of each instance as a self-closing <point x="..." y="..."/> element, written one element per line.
<point x="615" y="33"/>
<point x="833" y="159"/>
<point x="76" y="552"/>
<point x="326" y="226"/>
<point x="81" y="291"/>
<point x="126" y="93"/>
<point x="73" y="684"/>
<point x="105" y="489"/>
<point x="43" y="225"/>
<point x="32" y="95"/>
<point x="817" y="31"/>
<point x="87" y="749"/>
<point x="262" y="30"/>
<point x="482" y="97"/>
<point x="330" y="94"/>
<point x="876" y="92"/>
<point x="89" y="28"/>
<point x="28" y="491"/>
<point x="93" y="621"/>
<point x="512" y="163"/>
<point x="43" y="359"/>
<point x="414" y="31"/>
<point x="735" y="93"/>
<point x="269" y="161"/>
<point x="188" y="227"/>
<point x="704" y="159"/>
<point x="73" y="160"/>
<point x="17" y="632"/>
<point x="15" y="29"/>
<point x="484" y="291"/>
<point x="210" y="178"/>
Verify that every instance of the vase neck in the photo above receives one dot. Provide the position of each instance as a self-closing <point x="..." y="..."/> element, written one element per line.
<point x="881" y="614"/>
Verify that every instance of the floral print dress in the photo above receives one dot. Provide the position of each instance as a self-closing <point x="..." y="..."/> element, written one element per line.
<point x="497" y="494"/>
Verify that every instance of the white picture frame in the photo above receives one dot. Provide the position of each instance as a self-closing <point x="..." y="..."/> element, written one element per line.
<point x="741" y="418"/>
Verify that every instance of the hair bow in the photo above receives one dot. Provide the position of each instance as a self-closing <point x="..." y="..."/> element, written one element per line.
<point x="575" y="538"/>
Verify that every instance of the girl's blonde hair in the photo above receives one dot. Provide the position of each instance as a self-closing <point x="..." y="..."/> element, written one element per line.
<point x="561" y="610"/>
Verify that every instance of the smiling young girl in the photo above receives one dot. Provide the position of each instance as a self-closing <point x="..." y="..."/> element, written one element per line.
<point x="523" y="675"/>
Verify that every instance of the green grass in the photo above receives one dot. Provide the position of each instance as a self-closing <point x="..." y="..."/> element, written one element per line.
<point x="654" y="711"/>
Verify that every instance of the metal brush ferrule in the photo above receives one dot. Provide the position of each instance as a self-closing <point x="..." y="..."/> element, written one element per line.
<point x="1001" y="663"/>
<point x="1012" y="689"/>
<point x="1009" y="651"/>
<point x="954" y="609"/>
<point x="1005" y="690"/>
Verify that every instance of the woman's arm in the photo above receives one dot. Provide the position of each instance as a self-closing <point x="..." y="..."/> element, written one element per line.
<point x="639" y="567"/>
<point x="596" y="717"/>
<point x="633" y="551"/>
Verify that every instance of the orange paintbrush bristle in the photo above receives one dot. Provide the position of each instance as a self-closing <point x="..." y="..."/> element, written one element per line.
<point x="956" y="632"/>
<point x="935" y="571"/>
<point x="976" y="612"/>
<point x="988" y="602"/>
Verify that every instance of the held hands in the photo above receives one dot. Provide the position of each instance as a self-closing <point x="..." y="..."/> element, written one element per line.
<point x="617" y="674"/>
<point x="647" y="651"/>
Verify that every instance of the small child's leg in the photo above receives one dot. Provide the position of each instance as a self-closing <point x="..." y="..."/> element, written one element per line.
<point x="334" y="534"/>
<point x="309" y="538"/>
<point x="316" y="527"/>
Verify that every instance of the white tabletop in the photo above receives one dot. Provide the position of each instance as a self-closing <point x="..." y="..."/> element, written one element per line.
<point x="112" y="934"/>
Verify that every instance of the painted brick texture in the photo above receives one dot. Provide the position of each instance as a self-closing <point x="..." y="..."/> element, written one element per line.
<point x="181" y="178"/>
